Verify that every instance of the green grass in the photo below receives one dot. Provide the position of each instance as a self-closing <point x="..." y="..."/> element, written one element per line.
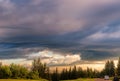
<point x="20" y="80"/>
<point x="45" y="80"/>
<point x="81" y="80"/>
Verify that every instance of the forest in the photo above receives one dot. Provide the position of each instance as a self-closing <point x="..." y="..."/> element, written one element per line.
<point x="41" y="70"/>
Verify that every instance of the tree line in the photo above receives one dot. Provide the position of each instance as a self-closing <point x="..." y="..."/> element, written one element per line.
<point x="40" y="70"/>
<point x="74" y="73"/>
<point x="15" y="71"/>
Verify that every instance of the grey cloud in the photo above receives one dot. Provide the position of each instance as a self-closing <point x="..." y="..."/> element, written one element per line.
<point x="60" y="25"/>
<point x="47" y="17"/>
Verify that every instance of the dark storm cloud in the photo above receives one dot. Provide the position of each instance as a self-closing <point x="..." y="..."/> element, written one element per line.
<point x="62" y="25"/>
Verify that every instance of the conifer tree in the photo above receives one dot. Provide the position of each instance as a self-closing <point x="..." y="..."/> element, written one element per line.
<point x="66" y="74"/>
<point x="118" y="67"/>
<point x="40" y="67"/>
<point x="109" y="68"/>
<point x="80" y="72"/>
<point x="62" y="75"/>
<point x="74" y="73"/>
<point x="48" y="75"/>
<point x="112" y="68"/>
<point x="70" y="73"/>
<point x="55" y="75"/>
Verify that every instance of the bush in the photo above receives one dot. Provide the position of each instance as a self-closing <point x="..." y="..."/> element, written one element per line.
<point x="33" y="75"/>
<point x="5" y="72"/>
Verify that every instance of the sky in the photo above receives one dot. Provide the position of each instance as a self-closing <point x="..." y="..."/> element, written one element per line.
<point x="60" y="32"/>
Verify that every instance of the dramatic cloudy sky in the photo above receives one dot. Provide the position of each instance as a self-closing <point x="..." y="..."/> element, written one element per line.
<point x="59" y="31"/>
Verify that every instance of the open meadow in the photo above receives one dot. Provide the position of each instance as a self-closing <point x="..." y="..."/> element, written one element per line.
<point x="45" y="80"/>
<point x="80" y="80"/>
<point x="21" y="80"/>
<point x="96" y="79"/>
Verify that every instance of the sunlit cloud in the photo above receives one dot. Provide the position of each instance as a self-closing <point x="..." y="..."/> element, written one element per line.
<point x="53" y="58"/>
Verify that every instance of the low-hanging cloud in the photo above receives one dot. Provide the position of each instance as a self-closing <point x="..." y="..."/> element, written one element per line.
<point x="55" y="58"/>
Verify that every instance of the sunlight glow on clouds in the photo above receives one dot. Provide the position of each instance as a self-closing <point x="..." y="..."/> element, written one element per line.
<point x="52" y="58"/>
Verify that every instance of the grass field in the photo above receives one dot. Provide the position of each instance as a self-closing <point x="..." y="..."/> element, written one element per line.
<point x="45" y="80"/>
<point x="20" y="80"/>
<point x="80" y="80"/>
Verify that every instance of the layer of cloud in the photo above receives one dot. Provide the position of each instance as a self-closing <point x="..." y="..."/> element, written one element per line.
<point x="64" y="25"/>
<point x="55" y="58"/>
<point x="110" y="33"/>
<point x="57" y="16"/>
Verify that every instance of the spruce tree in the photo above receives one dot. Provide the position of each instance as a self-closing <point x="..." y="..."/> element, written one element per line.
<point x="112" y="68"/>
<point x="66" y="74"/>
<point x="107" y="68"/>
<point x="70" y="73"/>
<point x="62" y="75"/>
<point x="48" y="75"/>
<point x="80" y="73"/>
<point x="89" y="72"/>
<point x="118" y="67"/>
<point x="74" y="73"/>
<point x="55" y="75"/>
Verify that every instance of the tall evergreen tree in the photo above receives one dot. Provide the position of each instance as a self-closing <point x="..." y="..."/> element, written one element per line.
<point x="39" y="67"/>
<point x="62" y="75"/>
<point x="107" y="68"/>
<point x="55" y="75"/>
<point x="70" y="73"/>
<point x="66" y="75"/>
<point x="89" y="72"/>
<point x="112" y="68"/>
<point x="80" y="72"/>
<point x="74" y="73"/>
<point x="118" y="67"/>
<point x="48" y="75"/>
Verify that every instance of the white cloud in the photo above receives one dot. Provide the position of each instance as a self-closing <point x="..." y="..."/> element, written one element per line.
<point x="53" y="58"/>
